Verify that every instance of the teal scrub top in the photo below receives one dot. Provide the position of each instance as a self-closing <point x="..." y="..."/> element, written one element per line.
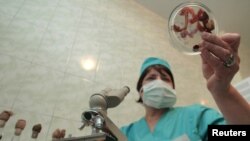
<point x="187" y="123"/>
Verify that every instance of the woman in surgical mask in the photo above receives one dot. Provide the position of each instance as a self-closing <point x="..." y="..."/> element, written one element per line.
<point x="164" y="122"/>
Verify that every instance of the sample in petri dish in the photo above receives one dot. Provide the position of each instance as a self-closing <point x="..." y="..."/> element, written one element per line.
<point x="186" y="23"/>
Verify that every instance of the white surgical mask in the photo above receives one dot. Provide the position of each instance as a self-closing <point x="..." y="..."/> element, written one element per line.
<point x="158" y="94"/>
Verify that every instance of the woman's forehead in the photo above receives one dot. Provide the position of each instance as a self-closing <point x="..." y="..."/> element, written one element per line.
<point x="153" y="71"/>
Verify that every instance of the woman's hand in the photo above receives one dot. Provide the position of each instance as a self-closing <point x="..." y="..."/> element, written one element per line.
<point x="220" y="59"/>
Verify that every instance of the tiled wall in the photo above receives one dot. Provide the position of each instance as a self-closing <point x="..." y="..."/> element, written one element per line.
<point x="43" y="44"/>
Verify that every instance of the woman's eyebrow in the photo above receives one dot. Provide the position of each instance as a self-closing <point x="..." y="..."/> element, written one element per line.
<point x="152" y="75"/>
<point x="164" y="74"/>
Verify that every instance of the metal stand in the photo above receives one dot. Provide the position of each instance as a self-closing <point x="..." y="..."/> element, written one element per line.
<point x="103" y="129"/>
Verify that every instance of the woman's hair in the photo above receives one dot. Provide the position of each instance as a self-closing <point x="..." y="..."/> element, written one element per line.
<point x="158" y="68"/>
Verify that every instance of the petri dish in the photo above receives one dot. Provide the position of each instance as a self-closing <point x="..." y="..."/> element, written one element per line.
<point x="186" y="23"/>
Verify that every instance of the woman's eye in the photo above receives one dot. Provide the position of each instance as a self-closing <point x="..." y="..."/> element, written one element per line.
<point x="165" y="79"/>
<point x="150" y="78"/>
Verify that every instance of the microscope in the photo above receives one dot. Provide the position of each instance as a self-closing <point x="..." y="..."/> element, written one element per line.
<point x="103" y="129"/>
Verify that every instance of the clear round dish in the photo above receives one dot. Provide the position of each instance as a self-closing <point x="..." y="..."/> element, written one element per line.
<point x="186" y="23"/>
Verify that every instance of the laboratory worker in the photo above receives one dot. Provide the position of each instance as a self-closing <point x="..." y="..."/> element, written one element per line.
<point x="163" y="121"/>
